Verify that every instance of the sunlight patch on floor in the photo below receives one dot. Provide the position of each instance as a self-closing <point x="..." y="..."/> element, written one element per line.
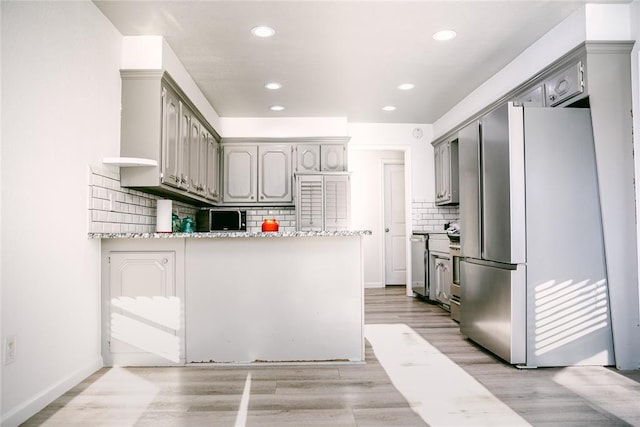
<point x="134" y="396"/>
<point x="605" y="389"/>
<point x="437" y="389"/>
<point x="243" y="410"/>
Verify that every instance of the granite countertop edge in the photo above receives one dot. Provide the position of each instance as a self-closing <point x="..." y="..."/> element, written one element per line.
<point x="230" y="234"/>
<point x="424" y="232"/>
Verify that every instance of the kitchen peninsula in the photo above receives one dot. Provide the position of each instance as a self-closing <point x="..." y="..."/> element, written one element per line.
<point x="232" y="297"/>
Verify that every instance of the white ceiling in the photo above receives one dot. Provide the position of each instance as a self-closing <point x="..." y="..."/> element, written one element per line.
<point x="341" y="58"/>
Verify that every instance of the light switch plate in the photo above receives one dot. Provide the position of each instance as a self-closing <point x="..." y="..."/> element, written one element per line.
<point x="9" y="350"/>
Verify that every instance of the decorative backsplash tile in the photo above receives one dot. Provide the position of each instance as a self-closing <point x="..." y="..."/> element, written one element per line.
<point x="427" y="216"/>
<point x="114" y="209"/>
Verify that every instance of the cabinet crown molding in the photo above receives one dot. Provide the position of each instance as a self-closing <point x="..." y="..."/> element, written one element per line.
<point x="289" y="140"/>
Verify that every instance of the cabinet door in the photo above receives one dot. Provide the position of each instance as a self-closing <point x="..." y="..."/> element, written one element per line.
<point x="307" y="158"/>
<point x="333" y="157"/>
<point x="336" y="202"/>
<point x="443" y="279"/>
<point x="171" y="164"/>
<point x="309" y="202"/>
<point x="446" y="172"/>
<point x="145" y="313"/>
<point x="185" y="145"/>
<point x="445" y="168"/>
<point x="532" y="98"/>
<point x="437" y="163"/>
<point x="212" y="169"/>
<point x="195" y="186"/>
<point x="203" y="150"/>
<point x="240" y="166"/>
<point x="274" y="167"/>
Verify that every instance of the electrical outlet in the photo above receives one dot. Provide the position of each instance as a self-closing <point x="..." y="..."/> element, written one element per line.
<point x="9" y="350"/>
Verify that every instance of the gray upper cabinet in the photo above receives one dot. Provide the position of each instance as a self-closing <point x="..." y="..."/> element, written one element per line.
<point x="158" y="122"/>
<point x="561" y="85"/>
<point x="213" y="169"/>
<point x="534" y="97"/>
<point x="565" y="84"/>
<point x="274" y="173"/>
<point x="261" y="171"/>
<point x="321" y="157"/>
<point x="239" y="173"/>
<point x="255" y="173"/>
<point x="446" y="172"/>
<point x="307" y="157"/>
<point x="333" y="157"/>
<point x="173" y="170"/>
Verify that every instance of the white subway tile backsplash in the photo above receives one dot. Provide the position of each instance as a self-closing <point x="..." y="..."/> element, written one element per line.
<point x="131" y="211"/>
<point x="427" y="216"/>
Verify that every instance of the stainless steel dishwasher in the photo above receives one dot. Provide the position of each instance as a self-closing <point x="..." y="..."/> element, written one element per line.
<point x="419" y="265"/>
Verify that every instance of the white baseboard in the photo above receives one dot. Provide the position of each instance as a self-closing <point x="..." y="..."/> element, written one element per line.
<point x="373" y="285"/>
<point x="22" y="413"/>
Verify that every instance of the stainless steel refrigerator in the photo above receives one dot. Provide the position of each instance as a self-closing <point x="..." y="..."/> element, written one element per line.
<point x="533" y="277"/>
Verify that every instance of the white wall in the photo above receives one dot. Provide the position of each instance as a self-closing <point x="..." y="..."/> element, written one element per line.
<point x="283" y="127"/>
<point x="367" y="203"/>
<point x="417" y="155"/>
<point x="401" y="136"/>
<point x="154" y="53"/>
<point x="60" y="113"/>
<point x="635" y="84"/>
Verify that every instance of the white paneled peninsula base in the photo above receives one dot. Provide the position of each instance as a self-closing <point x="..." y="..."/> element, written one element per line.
<point x="175" y="299"/>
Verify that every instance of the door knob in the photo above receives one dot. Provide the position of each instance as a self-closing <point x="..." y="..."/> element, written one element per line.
<point x="386" y="230"/>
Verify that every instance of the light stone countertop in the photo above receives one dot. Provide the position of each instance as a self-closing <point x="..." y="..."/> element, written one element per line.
<point x="424" y="232"/>
<point x="229" y="234"/>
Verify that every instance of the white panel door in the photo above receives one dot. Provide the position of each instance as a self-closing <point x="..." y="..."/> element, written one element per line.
<point x="394" y="223"/>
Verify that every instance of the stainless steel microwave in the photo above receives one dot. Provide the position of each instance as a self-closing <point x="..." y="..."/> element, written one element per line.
<point x="221" y="220"/>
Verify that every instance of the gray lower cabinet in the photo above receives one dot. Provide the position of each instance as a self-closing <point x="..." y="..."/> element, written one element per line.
<point x="159" y="123"/>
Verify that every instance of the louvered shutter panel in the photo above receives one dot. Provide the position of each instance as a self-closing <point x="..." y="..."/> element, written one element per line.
<point x="310" y="203"/>
<point x="336" y="202"/>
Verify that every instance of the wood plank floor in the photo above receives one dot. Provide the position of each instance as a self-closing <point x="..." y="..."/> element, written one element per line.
<point x="436" y="377"/>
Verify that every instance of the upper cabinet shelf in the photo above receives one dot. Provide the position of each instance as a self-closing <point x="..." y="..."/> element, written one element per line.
<point x="127" y="162"/>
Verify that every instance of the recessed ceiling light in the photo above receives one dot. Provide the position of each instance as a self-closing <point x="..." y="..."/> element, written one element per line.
<point x="276" y="108"/>
<point x="263" y="31"/>
<point x="406" y="86"/>
<point x="444" y="35"/>
<point x="273" y="86"/>
<point x="388" y="108"/>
